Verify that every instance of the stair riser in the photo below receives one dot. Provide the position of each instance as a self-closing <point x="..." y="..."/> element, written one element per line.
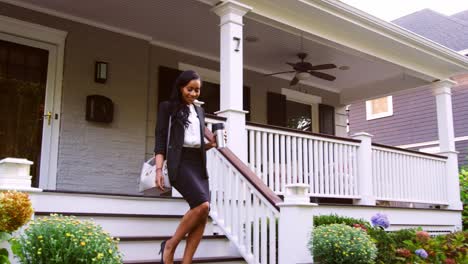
<point x="52" y="202"/>
<point x="136" y="226"/>
<point x="147" y="250"/>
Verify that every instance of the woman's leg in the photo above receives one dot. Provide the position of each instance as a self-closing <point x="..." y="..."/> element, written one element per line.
<point x="192" y="242"/>
<point x="188" y="223"/>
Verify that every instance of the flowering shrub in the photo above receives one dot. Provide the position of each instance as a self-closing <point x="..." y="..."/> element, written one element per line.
<point x="422" y="236"/>
<point x="406" y="245"/>
<point x="447" y="249"/>
<point x="421" y="253"/>
<point x="61" y="239"/>
<point x="15" y="210"/>
<point x="341" y="244"/>
<point x="380" y="220"/>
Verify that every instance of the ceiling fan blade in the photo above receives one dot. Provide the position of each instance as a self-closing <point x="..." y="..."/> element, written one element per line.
<point x="322" y="75"/>
<point x="291" y="64"/>
<point x="294" y="81"/>
<point x="279" y="73"/>
<point x="322" y="67"/>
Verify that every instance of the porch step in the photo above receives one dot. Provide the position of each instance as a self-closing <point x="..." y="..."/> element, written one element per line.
<point x="141" y="223"/>
<point x="107" y="203"/>
<point x="119" y="225"/>
<point x="221" y="260"/>
<point x="211" y="246"/>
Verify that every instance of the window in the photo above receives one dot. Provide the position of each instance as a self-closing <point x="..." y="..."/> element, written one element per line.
<point x="298" y="116"/>
<point x="378" y="108"/>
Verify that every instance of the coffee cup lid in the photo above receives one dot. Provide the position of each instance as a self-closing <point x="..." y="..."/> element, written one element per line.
<point x="217" y="126"/>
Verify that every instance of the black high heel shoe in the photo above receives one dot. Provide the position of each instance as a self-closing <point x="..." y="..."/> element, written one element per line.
<point x="161" y="251"/>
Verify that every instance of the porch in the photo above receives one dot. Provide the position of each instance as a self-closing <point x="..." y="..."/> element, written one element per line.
<point x="262" y="161"/>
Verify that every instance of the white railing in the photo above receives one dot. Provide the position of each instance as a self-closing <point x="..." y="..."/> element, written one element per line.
<point x="327" y="165"/>
<point x="244" y="214"/>
<point x="408" y="177"/>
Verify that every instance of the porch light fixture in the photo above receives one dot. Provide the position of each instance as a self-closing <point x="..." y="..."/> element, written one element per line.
<point x="100" y="73"/>
<point x="303" y="75"/>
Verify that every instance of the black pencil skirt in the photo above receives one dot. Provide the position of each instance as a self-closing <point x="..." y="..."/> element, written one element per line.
<point x="191" y="182"/>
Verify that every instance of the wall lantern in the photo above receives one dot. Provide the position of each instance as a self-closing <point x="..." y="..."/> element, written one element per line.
<point x="100" y="73"/>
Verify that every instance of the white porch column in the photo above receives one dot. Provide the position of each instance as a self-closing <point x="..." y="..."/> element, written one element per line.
<point x="295" y="225"/>
<point x="365" y="184"/>
<point x="231" y="59"/>
<point x="443" y="93"/>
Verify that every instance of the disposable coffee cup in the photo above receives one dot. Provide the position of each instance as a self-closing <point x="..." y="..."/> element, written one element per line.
<point x="218" y="130"/>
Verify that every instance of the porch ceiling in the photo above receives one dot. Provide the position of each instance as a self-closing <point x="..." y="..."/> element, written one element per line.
<point x="190" y="26"/>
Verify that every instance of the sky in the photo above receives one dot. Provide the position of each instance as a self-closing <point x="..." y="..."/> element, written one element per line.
<point x="393" y="9"/>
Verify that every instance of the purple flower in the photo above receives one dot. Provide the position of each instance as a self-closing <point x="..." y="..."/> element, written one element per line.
<point x="421" y="252"/>
<point x="380" y="220"/>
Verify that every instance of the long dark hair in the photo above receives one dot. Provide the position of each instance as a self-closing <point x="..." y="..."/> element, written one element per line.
<point x="180" y="110"/>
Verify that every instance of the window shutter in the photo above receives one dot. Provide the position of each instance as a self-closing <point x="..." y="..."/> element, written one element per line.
<point x="276" y="109"/>
<point x="326" y="119"/>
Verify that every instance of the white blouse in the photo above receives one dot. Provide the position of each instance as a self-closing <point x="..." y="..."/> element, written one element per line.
<point x="192" y="132"/>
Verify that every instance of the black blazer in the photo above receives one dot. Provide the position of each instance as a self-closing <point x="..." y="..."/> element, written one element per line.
<point x="176" y="143"/>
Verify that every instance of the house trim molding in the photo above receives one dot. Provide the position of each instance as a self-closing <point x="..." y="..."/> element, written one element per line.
<point x="205" y="73"/>
<point x="303" y="98"/>
<point x="429" y="143"/>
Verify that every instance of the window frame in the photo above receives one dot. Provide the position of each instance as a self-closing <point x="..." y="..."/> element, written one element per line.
<point x="372" y="116"/>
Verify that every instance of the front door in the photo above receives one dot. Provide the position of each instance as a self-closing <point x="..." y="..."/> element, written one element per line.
<point x="23" y="80"/>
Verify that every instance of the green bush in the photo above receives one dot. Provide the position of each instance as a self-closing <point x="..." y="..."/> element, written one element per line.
<point x="464" y="195"/>
<point x="385" y="245"/>
<point x="62" y="239"/>
<point x="342" y="244"/>
<point x="336" y="219"/>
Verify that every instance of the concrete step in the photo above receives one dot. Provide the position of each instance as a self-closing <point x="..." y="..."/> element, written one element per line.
<point x="219" y="260"/>
<point x="133" y="224"/>
<point x="107" y="203"/>
<point x="210" y="246"/>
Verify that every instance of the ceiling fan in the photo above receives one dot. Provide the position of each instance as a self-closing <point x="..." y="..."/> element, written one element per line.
<point x="304" y="70"/>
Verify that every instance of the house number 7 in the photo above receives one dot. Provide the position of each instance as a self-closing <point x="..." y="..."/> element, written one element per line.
<point x="237" y="40"/>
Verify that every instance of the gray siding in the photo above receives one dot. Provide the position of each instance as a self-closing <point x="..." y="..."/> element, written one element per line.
<point x="460" y="110"/>
<point x="413" y="119"/>
<point x="462" y="147"/>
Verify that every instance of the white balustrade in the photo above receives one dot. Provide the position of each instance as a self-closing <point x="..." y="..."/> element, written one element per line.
<point x="246" y="217"/>
<point x="408" y="177"/>
<point x="327" y="165"/>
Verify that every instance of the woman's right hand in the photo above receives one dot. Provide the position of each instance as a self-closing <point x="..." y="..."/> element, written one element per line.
<point x="159" y="180"/>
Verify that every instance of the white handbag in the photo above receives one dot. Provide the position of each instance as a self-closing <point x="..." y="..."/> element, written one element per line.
<point x="148" y="175"/>
<point x="148" y="171"/>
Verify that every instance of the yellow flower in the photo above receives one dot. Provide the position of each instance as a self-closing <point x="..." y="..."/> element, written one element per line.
<point x="110" y="251"/>
<point x="83" y="243"/>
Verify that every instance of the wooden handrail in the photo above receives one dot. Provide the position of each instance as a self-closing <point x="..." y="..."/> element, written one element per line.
<point x="261" y="187"/>
<point x="216" y="117"/>
<point x="409" y="151"/>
